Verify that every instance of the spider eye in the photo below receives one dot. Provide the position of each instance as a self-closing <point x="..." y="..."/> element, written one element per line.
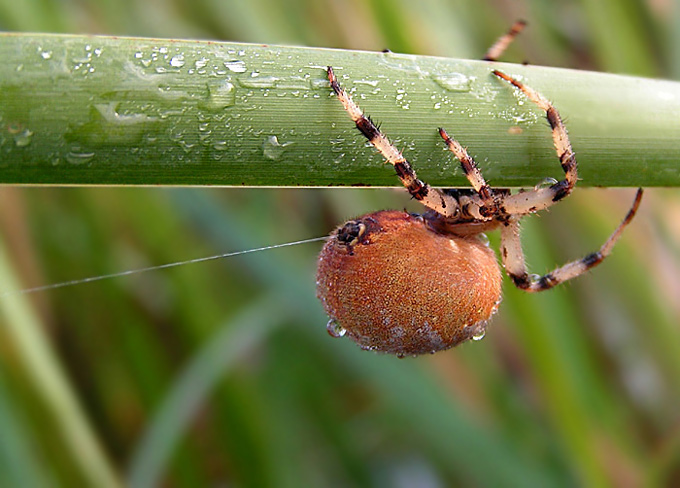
<point x="350" y="233"/>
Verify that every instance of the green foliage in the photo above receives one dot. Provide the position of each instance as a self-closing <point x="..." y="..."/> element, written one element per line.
<point x="108" y="110"/>
<point x="223" y="373"/>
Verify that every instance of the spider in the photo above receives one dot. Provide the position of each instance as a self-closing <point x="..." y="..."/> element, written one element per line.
<point x="409" y="284"/>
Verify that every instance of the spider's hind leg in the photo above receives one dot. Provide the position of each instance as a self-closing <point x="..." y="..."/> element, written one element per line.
<point x="513" y="258"/>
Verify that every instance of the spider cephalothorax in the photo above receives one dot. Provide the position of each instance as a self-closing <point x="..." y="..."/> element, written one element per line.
<point x="407" y="284"/>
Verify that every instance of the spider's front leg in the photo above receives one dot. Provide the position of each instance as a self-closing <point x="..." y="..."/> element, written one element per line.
<point x="499" y="47"/>
<point x="542" y="198"/>
<point x="490" y="201"/>
<point x="513" y="258"/>
<point x="430" y="197"/>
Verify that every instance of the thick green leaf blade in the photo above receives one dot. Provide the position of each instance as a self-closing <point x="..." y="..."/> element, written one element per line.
<point x="103" y="110"/>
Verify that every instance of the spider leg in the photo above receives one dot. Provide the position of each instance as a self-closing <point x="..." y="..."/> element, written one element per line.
<point x="473" y="174"/>
<point x="432" y="198"/>
<point x="513" y="258"/>
<point x="499" y="47"/>
<point x="470" y="167"/>
<point x="539" y="199"/>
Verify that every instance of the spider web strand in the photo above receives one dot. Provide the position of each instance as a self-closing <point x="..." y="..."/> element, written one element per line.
<point x="129" y="272"/>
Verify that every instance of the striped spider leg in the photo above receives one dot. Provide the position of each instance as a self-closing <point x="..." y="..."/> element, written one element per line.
<point x="495" y="208"/>
<point x="499" y="47"/>
<point x="410" y="284"/>
<point x="508" y="209"/>
<point x="430" y="197"/>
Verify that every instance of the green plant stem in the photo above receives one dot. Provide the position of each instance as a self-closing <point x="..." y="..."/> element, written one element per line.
<point x="46" y="373"/>
<point x="79" y="110"/>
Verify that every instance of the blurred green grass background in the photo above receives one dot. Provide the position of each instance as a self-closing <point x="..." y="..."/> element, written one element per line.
<point x="222" y="374"/>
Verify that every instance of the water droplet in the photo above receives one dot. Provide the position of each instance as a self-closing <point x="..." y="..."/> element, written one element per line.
<point x="545" y="183"/>
<point x="221" y="95"/>
<point x="293" y="83"/>
<point x="272" y="148"/>
<point x="483" y="238"/>
<point x="46" y="54"/>
<point x="334" y="329"/>
<point x="237" y="66"/>
<point x="257" y="81"/>
<point x="456" y="82"/>
<point x="76" y="156"/>
<point x="479" y="335"/>
<point x="23" y="138"/>
<point x="319" y="83"/>
<point x="187" y="147"/>
<point x="372" y="83"/>
<point x="177" y="61"/>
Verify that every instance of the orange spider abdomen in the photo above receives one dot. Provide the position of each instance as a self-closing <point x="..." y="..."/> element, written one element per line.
<point x="394" y="285"/>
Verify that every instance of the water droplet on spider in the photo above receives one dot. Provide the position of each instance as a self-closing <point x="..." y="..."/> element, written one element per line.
<point x="456" y="82"/>
<point x="483" y="238"/>
<point x="272" y="148"/>
<point x="545" y="183"/>
<point x="236" y="66"/>
<point x="479" y="335"/>
<point x="334" y="329"/>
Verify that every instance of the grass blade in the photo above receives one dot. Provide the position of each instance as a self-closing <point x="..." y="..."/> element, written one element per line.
<point x="101" y="110"/>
